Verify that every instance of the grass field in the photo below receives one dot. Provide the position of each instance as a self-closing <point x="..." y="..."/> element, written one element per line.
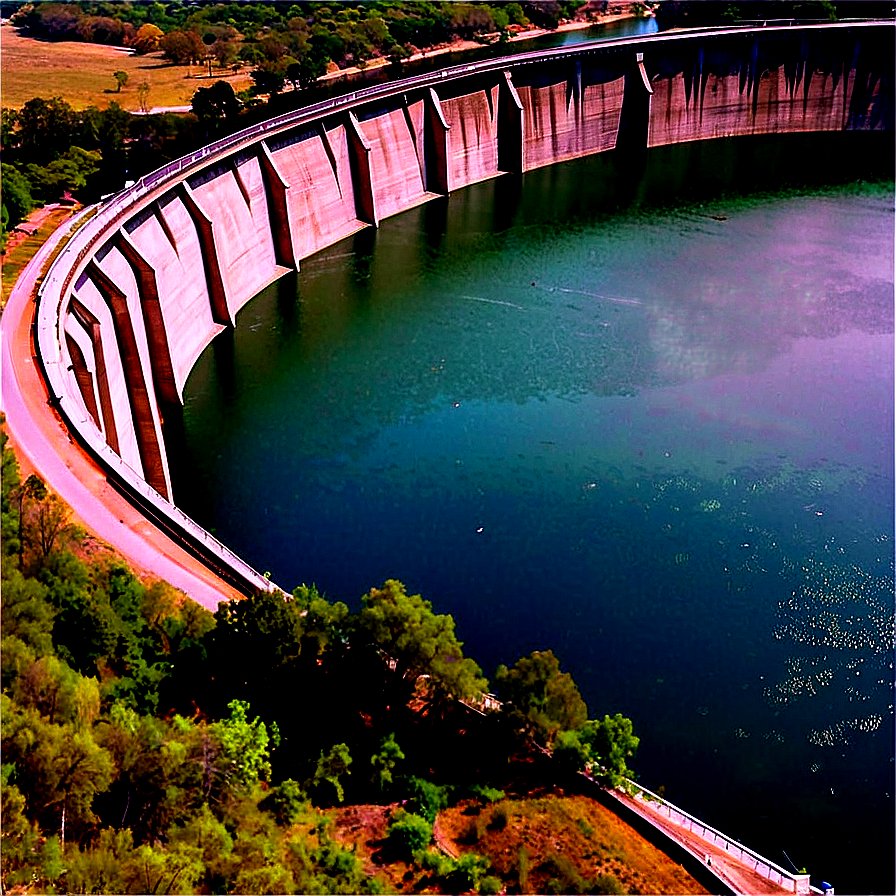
<point x="81" y="74"/>
<point x="571" y="839"/>
<point x="19" y="252"/>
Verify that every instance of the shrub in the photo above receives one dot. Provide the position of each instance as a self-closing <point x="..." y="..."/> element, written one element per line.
<point x="484" y="794"/>
<point x="609" y="884"/>
<point x="475" y="831"/>
<point x="409" y="833"/>
<point x="425" y="798"/>
<point x="570" y="752"/>
<point x="500" y="817"/>
<point x="468" y="872"/>
<point x="437" y="863"/>
<point x="522" y="869"/>
<point x="465" y="873"/>
<point x="564" y="876"/>
<point x="285" y="802"/>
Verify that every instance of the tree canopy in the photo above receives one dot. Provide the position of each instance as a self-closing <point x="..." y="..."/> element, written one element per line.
<point x="149" y="745"/>
<point x="541" y="699"/>
<point x="419" y="643"/>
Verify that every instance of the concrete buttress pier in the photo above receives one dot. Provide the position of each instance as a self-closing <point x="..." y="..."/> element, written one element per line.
<point x="167" y="265"/>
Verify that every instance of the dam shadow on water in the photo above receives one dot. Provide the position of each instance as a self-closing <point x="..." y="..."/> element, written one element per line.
<point x="639" y="410"/>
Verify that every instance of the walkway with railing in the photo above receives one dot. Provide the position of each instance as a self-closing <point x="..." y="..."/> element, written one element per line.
<point x="739" y="867"/>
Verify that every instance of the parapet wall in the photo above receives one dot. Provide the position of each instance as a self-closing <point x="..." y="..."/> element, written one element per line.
<point x="145" y="286"/>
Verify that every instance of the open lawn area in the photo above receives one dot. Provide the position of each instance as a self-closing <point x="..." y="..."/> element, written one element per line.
<point x="81" y="74"/>
<point x="20" y="249"/>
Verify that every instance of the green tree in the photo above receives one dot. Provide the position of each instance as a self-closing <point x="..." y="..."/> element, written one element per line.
<point x="210" y="836"/>
<point x="214" y="104"/>
<point x="285" y="802"/>
<point x="244" y="753"/>
<point x="570" y="752"/>
<point x="331" y="768"/>
<point x="268" y="79"/>
<point x="72" y="170"/>
<point x="273" y="878"/>
<point x="159" y="771"/>
<point x="182" y="47"/>
<point x="19" y="837"/>
<point x="16" y="193"/>
<point x="338" y="870"/>
<point x="425" y="798"/>
<point x="102" y="866"/>
<point x="326" y="626"/>
<point x="468" y="872"/>
<point x="265" y="631"/>
<point x="539" y="698"/>
<point x="306" y="69"/>
<point x="106" y="131"/>
<point x="419" y="643"/>
<point x="384" y="762"/>
<point x="45" y="129"/>
<point x="58" y="769"/>
<point x="154" y="869"/>
<point x="611" y="743"/>
<point x="121" y="79"/>
<point x="9" y="119"/>
<point x="58" y="693"/>
<point x="265" y="628"/>
<point x="10" y="476"/>
<point x="27" y="613"/>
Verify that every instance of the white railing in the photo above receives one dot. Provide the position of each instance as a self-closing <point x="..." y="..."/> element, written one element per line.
<point x="794" y="883"/>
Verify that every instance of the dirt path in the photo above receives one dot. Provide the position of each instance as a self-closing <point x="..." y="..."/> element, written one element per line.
<point x="442" y="842"/>
<point x="43" y="444"/>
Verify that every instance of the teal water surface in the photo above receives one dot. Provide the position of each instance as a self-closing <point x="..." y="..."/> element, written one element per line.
<point x="636" y="416"/>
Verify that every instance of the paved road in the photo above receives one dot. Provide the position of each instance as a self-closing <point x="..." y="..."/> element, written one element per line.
<point x="43" y="444"/>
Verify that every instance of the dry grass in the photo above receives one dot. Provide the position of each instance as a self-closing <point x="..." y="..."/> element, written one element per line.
<point x="81" y="74"/>
<point x="19" y="251"/>
<point x="580" y="831"/>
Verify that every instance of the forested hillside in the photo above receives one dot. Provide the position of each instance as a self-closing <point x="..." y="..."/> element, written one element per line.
<point x="150" y="746"/>
<point x="284" y="39"/>
<point x="49" y="148"/>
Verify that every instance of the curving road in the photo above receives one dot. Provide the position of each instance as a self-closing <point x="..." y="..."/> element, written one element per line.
<point x="42" y="443"/>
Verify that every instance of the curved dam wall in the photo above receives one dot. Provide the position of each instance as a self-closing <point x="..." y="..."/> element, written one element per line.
<point x="145" y="285"/>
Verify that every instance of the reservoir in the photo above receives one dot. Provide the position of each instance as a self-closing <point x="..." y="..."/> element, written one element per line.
<point x="638" y="413"/>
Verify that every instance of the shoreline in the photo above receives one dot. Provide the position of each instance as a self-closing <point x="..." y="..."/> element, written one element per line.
<point x="461" y="46"/>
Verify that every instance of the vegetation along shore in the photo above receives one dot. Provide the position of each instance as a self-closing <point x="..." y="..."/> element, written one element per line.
<point x="139" y="757"/>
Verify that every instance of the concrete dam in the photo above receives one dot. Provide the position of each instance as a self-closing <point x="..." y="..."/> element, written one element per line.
<point x="148" y="282"/>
